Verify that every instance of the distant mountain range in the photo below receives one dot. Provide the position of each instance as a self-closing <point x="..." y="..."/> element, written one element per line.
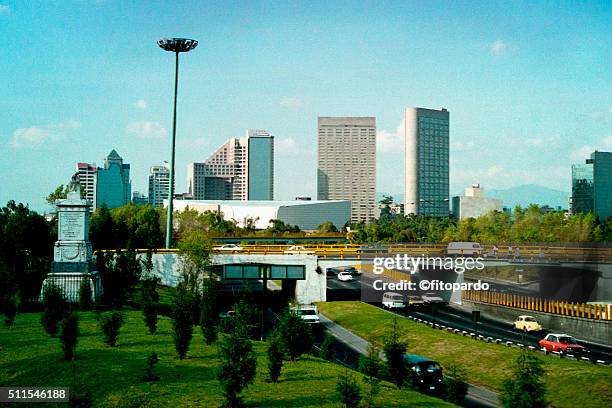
<point x="520" y="195"/>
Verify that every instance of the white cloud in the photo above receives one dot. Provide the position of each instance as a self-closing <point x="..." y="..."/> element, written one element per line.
<point x="287" y="145"/>
<point x="607" y="142"/>
<point x="584" y="152"/>
<point x="291" y="102"/>
<point x="140" y="104"/>
<point x="391" y="142"/>
<point x="36" y="136"/>
<point x="4" y="8"/>
<point x="146" y="130"/>
<point x="495" y="177"/>
<point x="498" y="47"/>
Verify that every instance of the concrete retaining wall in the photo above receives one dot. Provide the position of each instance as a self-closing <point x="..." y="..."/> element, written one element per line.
<point x="597" y="331"/>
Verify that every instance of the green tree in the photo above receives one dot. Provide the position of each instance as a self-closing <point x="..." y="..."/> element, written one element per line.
<point x="10" y="307"/>
<point x="151" y="361"/>
<point x="150" y="302"/>
<point x="327" y="227"/>
<point x="85" y="294"/>
<point x="371" y="366"/>
<point x="111" y="323"/>
<point x="238" y="363"/>
<point x="182" y="322"/>
<point x="276" y="356"/>
<point x="102" y="232"/>
<point x="209" y="316"/>
<point x="328" y="349"/>
<point x="455" y="382"/>
<point x="394" y="349"/>
<point x="295" y="334"/>
<point x="69" y="334"/>
<point x="54" y="308"/>
<point x="349" y="390"/>
<point x="525" y="388"/>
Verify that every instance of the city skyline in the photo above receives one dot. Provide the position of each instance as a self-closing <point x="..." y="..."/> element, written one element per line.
<point x="527" y="87"/>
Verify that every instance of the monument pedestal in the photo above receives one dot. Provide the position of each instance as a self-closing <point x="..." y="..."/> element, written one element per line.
<point x="72" y="253"/>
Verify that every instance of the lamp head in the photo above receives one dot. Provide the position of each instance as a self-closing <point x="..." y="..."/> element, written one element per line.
<point x="177" y="44"/>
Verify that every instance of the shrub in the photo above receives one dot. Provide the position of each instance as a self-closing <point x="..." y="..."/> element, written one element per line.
<point x="349" y="390"/>
<point x="295" y="334"/>
<point x="54" y="308"/>
<point x="111" y="323"/>
<point x="239" y="363"/>
<point x="275" y="357"/>
<point x="371" y="366"/>
<point x="69" y="334"/>
<point x="328" y="349"/>
<point x="526" y="387"/>
<point x="10" y="307"/>
<point x="183" y="321"/>
<point x="455" y="382"/>
<point x="394" y="350"/>
<point x="150" y="303"/>
<point x="209" y="314"/>
<point x="85" y="294"/>
<point x="151" y="361"/>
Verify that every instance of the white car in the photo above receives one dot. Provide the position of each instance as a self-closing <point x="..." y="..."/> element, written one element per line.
<point x="345" y="277"/>
<point x="298" y="249"/>
<point x="308" y="313"/>
<point x="229" y="248"/>
<point x="432" y="297"/>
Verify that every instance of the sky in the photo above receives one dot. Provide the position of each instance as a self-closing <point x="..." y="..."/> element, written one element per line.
<point x="527" y="84"/>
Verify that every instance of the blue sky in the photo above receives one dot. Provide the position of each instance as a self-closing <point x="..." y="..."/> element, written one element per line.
<point x="527" y="85"/>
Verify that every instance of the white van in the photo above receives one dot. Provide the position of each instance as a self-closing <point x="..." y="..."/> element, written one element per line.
<point x="464" y="248"/>
<point x="392" y="300"/>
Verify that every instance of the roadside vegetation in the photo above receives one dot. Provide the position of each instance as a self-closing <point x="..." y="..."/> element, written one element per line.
<point x="569" y="383"/>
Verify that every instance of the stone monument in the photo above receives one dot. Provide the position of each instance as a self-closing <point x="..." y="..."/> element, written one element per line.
<point x="72" y="255"/>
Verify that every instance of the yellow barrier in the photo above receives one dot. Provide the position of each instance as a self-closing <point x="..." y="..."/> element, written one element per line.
<point x="563" y="308"/>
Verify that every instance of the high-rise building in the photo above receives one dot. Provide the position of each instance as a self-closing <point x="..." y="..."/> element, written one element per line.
<point x="240" y="169"/>
<point x="139" y="198"/>
<point x="426" y="150"/>
<point x="114" y="188"/>
<point x="88" y="179"/>
<point x="347" y="163"/>
<point x="592" y="185"/>
<point x="159" y="185"/>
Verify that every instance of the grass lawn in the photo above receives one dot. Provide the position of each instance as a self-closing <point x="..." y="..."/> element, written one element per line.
<point x="570" y="383"/>
<point x="29" y="357"/>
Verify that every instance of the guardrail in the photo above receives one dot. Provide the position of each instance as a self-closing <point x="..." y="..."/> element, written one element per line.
<point x="525" y="253"/>
<point x="558" y="307"/>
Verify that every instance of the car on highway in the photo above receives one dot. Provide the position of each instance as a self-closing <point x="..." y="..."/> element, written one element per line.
<point x="345" y="277"/>
<point x="426" y="373"/>
<point x="527" y="324"/>
<point x="561" y="343"/>
<point x="432" y="297"/>
<point x="229" y="248"/>
<point x="464" y="248"/>
<point x="298" y="249"/>
<point x="308" y="313"/>
<point x="352" y="270"/>
<point x="393" y="300"/>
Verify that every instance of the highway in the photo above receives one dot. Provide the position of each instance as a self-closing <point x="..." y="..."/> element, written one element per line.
<point x="454" y="317"/>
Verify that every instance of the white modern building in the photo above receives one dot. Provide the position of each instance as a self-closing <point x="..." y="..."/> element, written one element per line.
<point x="159" y="185"/>
<point x="347" y="163"/>
<point x="88" y="179"/>
<point x="240" y="169"/>
<point x="427" y="161"/>
<point x="474" y="203"/>
<point x="307" y="215"/>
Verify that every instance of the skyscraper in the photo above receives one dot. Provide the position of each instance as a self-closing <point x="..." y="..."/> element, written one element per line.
<point x="347" y="163"/>
<point x="240" y="169"/>
<point x="592" y="185"/>
<point x="426" y="178"/>
<point x="88" y="178"/>
<point x="114" y="188"/>
<point x="159" y="185"/>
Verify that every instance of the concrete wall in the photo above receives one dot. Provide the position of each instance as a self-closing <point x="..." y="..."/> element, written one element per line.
<point x="313" y="289"/>
<point x="597" y="331"/>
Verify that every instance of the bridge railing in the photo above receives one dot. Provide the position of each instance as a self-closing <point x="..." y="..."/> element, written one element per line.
<point x="558" y="307"/>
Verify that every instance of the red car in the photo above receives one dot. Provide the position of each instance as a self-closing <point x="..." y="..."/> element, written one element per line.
<point x="561" y="343"/>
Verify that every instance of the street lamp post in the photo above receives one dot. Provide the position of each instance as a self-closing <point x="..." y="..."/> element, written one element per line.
<point x="175" y="45"/>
